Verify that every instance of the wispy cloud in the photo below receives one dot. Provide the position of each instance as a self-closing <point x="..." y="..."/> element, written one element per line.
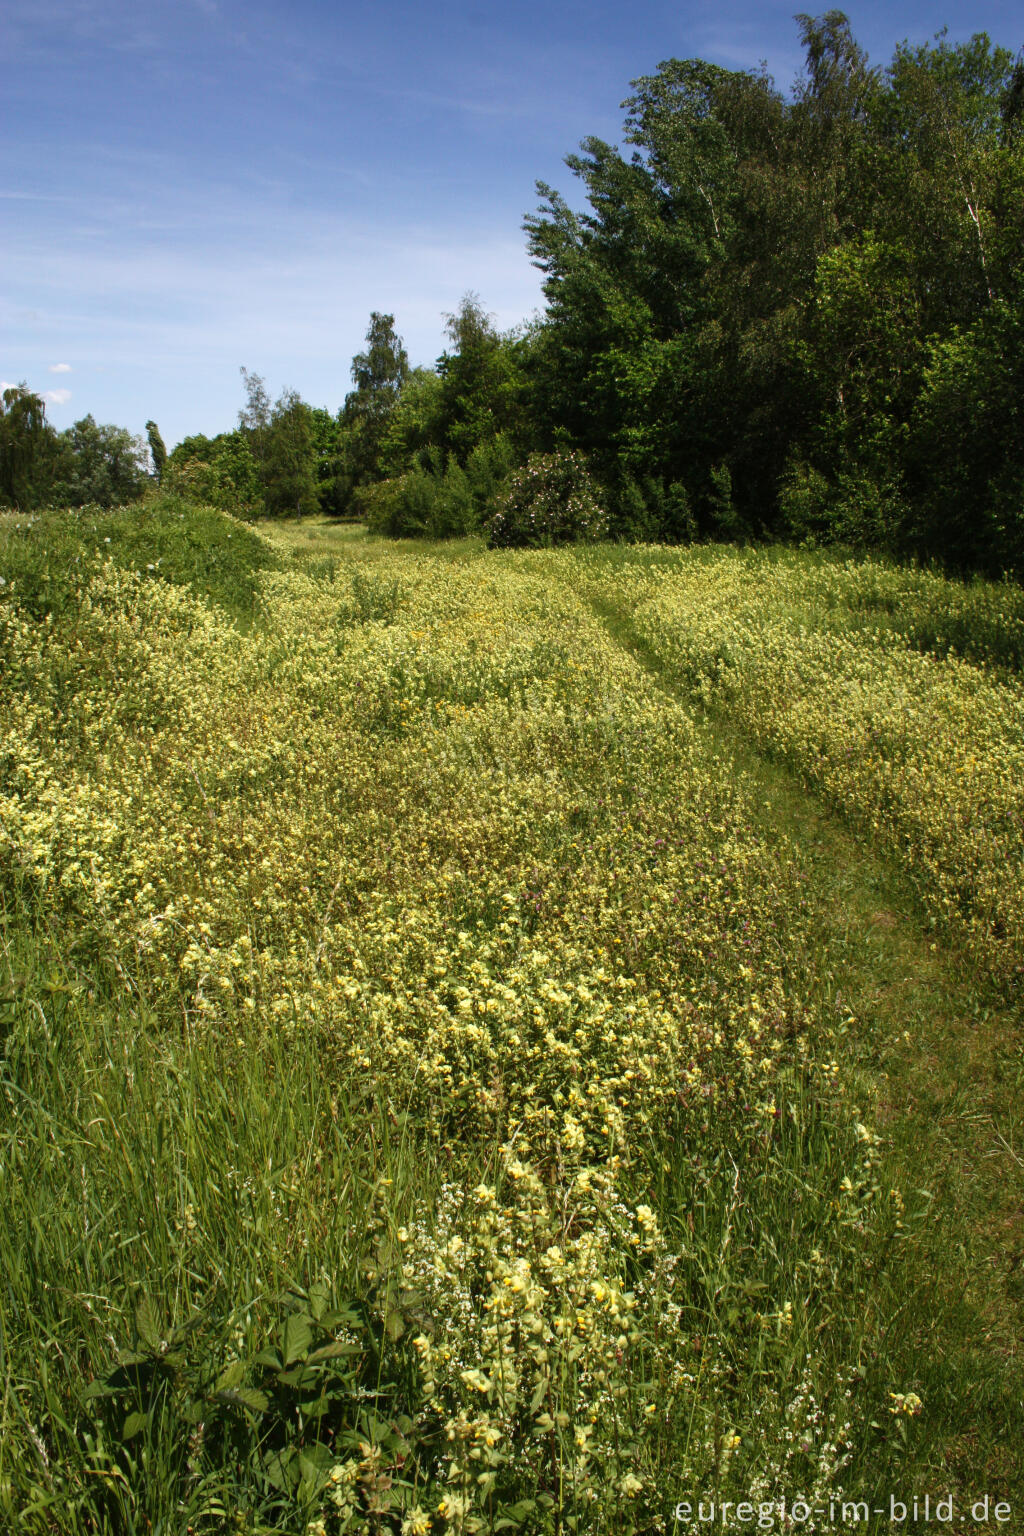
<point x="60" y="367"/>
<point x="58" y="396"/>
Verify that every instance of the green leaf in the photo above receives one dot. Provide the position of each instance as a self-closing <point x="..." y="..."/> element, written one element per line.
<point x="318" y="1298"/>
<point x="394" y="1326"/>
<point x="296" y="1337"/>
<point x="98" y="1389"/>
<point x="231" y="1376"/>
<point x="243" y="1397"/>
<point x="133" y="1424"/>
<point x="332" y="1352"/>
<point x="147" y="1323"/>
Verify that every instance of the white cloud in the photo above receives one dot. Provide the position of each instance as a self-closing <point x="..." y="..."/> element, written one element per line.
<point x="60" y="367"/>
<point x="58" y="396"/>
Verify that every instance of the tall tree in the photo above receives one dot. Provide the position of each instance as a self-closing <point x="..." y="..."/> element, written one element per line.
<point x="99" y="463"/>
<point x="481" y="381"/>
<point x="27" y="449"/>
<point x="288" y="468"/>
<point x="157" y="449"/>
<point x="378" y="375"/>
<point x="254" y="417"/>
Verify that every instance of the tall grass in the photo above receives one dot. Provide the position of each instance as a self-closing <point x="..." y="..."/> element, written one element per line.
<point x="440" y="1083"/>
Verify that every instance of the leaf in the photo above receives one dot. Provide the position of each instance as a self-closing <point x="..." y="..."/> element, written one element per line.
<point x="394" y="1326"/>
<point x="231" y="1376"/>
<point x="296" y="1337"/>
<point x="243" y="1397"/>
<point x="378" y="1429"/>
<point x="269" y="1357"/>
<point x="318" y="1298"/>
<point x="133" y="1424"/>
<point x="147" y="1324"/>
<point x="332" y="1352"/>
<point x="98" y="1389"/>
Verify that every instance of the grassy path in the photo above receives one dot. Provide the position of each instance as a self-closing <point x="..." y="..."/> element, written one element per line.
<point x="936" y="1064"/>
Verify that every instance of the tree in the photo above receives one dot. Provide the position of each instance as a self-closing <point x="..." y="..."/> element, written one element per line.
<point x="101" y="464"/>
<point x="27" y="449"/>
<point x="157" y="448"/>
<point x="481" y="381"/>
<point x="288" y="468"/>
<point x="219" y="471"/>
<point x="254" y="417"/>
<point x="378" y="375"/>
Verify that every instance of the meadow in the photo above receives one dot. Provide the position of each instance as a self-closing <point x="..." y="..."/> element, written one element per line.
<point x="502" y="1040"/>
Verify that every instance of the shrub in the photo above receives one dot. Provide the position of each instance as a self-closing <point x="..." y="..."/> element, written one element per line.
<point x="402" y="507"/>
<point x="436" y="504"/>
<point x="220" y="474"/>
<point x="551" y="500"/>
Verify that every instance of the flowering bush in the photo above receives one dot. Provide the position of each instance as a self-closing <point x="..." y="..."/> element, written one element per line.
<point x="551" y="500"/>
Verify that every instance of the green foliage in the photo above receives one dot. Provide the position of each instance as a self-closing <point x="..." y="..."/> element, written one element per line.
<point x="157" y="448"/>
<point x="45" y="560"/>
<point x="768" y="282"/>
<point x="440" y="503"/>
<point x="379" y="375"/>
<point x="287" y="468"/>
<point x="287" y="1418"/>
<point x="481" y="381"/>
<point x="966" y="447"/>
<point x="99" y="465"/>
<point x="415" y="424"/>
<point x="218" y="472"/>
<point x="401" y="507"/>
<point x="27" y="450"/>
<point x="551" y="500"/>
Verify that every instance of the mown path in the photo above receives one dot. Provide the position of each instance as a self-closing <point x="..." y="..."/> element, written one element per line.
<point x="936" y="1063"/>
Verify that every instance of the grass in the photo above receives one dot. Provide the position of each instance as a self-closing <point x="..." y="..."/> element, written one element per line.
<point x="450" y="1074"/>
<point x="935" y="1057"/>
<point x="46" y="559"/>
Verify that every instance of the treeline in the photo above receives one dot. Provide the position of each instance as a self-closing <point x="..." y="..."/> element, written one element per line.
<point x="801" y="316"/>
<point x="778" y="316"/>
<point x="40" y="467"/>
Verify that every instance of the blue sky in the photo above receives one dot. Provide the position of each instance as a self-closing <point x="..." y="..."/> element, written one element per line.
<point x="187" y="186"/>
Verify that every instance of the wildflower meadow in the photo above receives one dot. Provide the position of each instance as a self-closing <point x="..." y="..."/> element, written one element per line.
<point x="499" y="1039"/>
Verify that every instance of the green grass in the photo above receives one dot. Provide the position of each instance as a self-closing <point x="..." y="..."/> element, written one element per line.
<point x="201" y="1223"/>
<point x="44" y="559"/>
<point x="933" y="1054"/>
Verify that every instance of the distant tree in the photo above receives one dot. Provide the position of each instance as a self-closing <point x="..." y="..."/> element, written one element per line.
<point x="288" y="468"/>
<point x="481" y="381"/>
<point x="254" y="417"/>
<point x="330" y="465"/>
<point x="414" y="425"/>
<point x="27" y="449"/>
<point x="219" y="471"/>
<point x="101" y="464"/>
<point x="157" y="448"/>
<point x="378" y="375"/>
